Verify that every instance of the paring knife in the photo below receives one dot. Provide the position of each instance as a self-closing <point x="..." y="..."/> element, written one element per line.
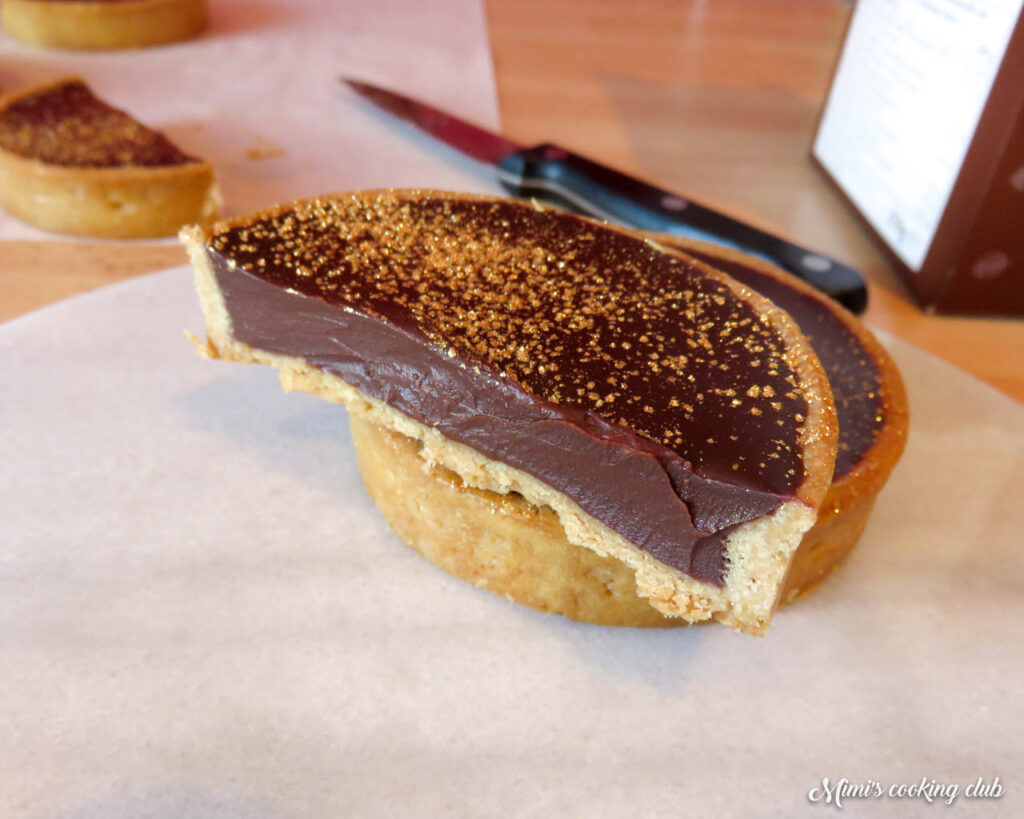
<point x="556" y="174"/>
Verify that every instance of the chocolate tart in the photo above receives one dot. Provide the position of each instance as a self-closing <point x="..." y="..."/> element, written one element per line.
<point x="70" y="163"/>
<point x="871" y="404"/>
<point x="669" y="417"/>
<point x="99" y="25"/>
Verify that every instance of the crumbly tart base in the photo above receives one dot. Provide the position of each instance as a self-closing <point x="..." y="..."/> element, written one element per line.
<point x="515" y="549"/>
<point x="758" y="554"/>
<point x="850" y="498"/>
<point x="499" y="542"/>
<point x="103" y="26"/>
<point x="115" y="203"/>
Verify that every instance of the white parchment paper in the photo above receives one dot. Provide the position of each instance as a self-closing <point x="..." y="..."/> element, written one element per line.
<point x="202" y="614"/>
<point x="258" y="94"/>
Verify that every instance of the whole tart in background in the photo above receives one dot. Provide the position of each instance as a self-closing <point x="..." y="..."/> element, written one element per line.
<point x="71" y="163"/>
<point x="100" y="25"/>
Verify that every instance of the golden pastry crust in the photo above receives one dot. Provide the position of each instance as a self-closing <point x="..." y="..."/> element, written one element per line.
<point x="124" y="202"/>
<point x="515" y="549"/>
<point x="498" y="542"/>
<point x="758" y="553"/>
<point x="850" y="498"/>
<point x="105" y="25"/>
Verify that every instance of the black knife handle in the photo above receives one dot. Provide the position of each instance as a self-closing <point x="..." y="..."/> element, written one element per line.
<point x="553" y="173"/>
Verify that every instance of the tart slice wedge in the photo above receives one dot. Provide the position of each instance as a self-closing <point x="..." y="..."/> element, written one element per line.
<point x="71" y="163"/>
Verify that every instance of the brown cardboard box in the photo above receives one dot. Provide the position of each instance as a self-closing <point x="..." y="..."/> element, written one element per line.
<point x="980" y="268"/>
<point x="975" y="260"/>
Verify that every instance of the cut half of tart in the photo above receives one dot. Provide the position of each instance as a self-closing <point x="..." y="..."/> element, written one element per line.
<point x="71" y="163"/>
<point x="102" y="24"/>
<point x="666" y="417"/>
<point x="871" y="404"/>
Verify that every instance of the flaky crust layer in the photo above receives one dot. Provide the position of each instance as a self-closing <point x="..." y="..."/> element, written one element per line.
<point x="512" y="548"/>
<point x="499" y="542"/>
<point x="758" y="553"/>
<point x="103" y="26"/>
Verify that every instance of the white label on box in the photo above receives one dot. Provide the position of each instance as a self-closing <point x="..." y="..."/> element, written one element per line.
<point x="911" y="83"/>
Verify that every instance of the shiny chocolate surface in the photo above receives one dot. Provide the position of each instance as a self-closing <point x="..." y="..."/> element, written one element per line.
<point x="852" y="371"/>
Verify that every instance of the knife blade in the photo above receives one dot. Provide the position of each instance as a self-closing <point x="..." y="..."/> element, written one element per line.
<point x="557" y="174"/>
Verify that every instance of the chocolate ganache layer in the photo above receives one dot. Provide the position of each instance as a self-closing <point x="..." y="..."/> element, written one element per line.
<point x="852" y="370"/>
<point x="66" y="124"/>
<point x="633" y="381"/>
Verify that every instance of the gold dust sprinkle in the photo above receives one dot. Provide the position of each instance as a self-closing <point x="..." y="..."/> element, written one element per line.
<point x="549" y="302"/>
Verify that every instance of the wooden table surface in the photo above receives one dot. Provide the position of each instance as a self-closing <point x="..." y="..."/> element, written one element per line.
<point x="714" y="99"/>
